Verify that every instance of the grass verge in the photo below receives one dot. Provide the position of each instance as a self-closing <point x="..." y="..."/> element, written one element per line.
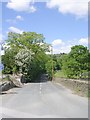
<point x="60" y="74"/>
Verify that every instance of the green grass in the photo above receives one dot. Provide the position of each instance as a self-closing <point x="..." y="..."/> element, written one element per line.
<point x="0" y="79"/>
<point x="88" y="95"/>
<point x="4" y="79"/>
<point x="60" y="74"/>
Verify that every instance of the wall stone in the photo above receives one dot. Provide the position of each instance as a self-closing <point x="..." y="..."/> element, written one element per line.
<point x="79" y="87"/>
<point x="10" y="83"/>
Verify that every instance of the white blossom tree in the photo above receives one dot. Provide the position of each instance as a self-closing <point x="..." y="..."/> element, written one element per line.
<point x="23" y="59"/>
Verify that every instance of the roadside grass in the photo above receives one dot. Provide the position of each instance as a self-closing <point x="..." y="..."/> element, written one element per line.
<point x="4" y="79"/>
<point x="88" y="95"/>
<point x="0" y="80"/>
<point x="78" y="91"/>
<point x="60" y="74"/>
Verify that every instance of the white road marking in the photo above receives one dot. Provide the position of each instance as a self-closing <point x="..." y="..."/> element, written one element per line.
<point x="40" y="84"/>
<point x="40" y="87"/>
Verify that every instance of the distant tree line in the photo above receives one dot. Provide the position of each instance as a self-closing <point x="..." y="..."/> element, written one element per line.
<point x="75" y="64"/>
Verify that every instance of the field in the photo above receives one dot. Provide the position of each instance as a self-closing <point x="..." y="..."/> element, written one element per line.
<point x="60" y="74"/>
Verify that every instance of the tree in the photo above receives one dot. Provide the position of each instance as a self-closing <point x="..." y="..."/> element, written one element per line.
<point x="27" y="52"/>
<point x="8" y="60"/>
<point x="23" y="59"/>
<point x="76" y="62"/>
<point x="50" y="68"/>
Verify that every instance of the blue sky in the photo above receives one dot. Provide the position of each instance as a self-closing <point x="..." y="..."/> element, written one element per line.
<point x="62" y="24"/>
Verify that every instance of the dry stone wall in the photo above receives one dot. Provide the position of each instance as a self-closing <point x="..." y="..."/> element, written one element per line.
<point x="79" y="87"/>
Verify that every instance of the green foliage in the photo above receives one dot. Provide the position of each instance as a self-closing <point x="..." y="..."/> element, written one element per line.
<point x="76" y="62"/>
<point x="23" y="59"/>
<point x="25" y="53"/>
<point x="50" y="68"/>
<point x="9" y="61"/>
<point x="60" y="74"/>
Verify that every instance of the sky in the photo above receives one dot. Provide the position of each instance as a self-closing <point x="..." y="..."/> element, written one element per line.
<point x="63" y="23"/>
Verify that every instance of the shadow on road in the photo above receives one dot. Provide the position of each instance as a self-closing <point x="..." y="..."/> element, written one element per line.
<point x="3" y="93"/>
<point x="41" y="78"/>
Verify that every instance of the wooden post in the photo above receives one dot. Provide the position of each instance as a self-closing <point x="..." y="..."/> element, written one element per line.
<point x="52" y="63"/>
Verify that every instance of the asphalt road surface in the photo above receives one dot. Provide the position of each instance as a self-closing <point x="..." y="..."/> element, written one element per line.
<point x="43" y="100"/>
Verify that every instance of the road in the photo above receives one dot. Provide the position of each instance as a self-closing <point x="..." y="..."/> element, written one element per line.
<point x="43" y="100"/>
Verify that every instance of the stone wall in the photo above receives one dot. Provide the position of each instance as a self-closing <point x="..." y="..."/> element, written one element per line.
<point x="79" y="87"/>
<point x="10" y="83"/>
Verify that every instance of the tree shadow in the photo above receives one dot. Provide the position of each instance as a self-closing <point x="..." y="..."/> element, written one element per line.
<point x="4" y="93"/>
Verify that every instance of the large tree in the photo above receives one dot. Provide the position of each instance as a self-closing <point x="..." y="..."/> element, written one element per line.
<point x="26" y="51"/>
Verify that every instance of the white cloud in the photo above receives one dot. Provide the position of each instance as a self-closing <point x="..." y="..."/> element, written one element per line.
<point x="63" y="49"/>
<point x="1" y="38"/>
<point x="16" y="30"/>
<point x="83" y="41"/>
<point x="13" y="21"/>
<point x="60" y="46"/>
<point x="57" y="42"/>
<point x="18" y="17"/>
<point x="75" y="7"/>
<point x="21" y="6"/>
